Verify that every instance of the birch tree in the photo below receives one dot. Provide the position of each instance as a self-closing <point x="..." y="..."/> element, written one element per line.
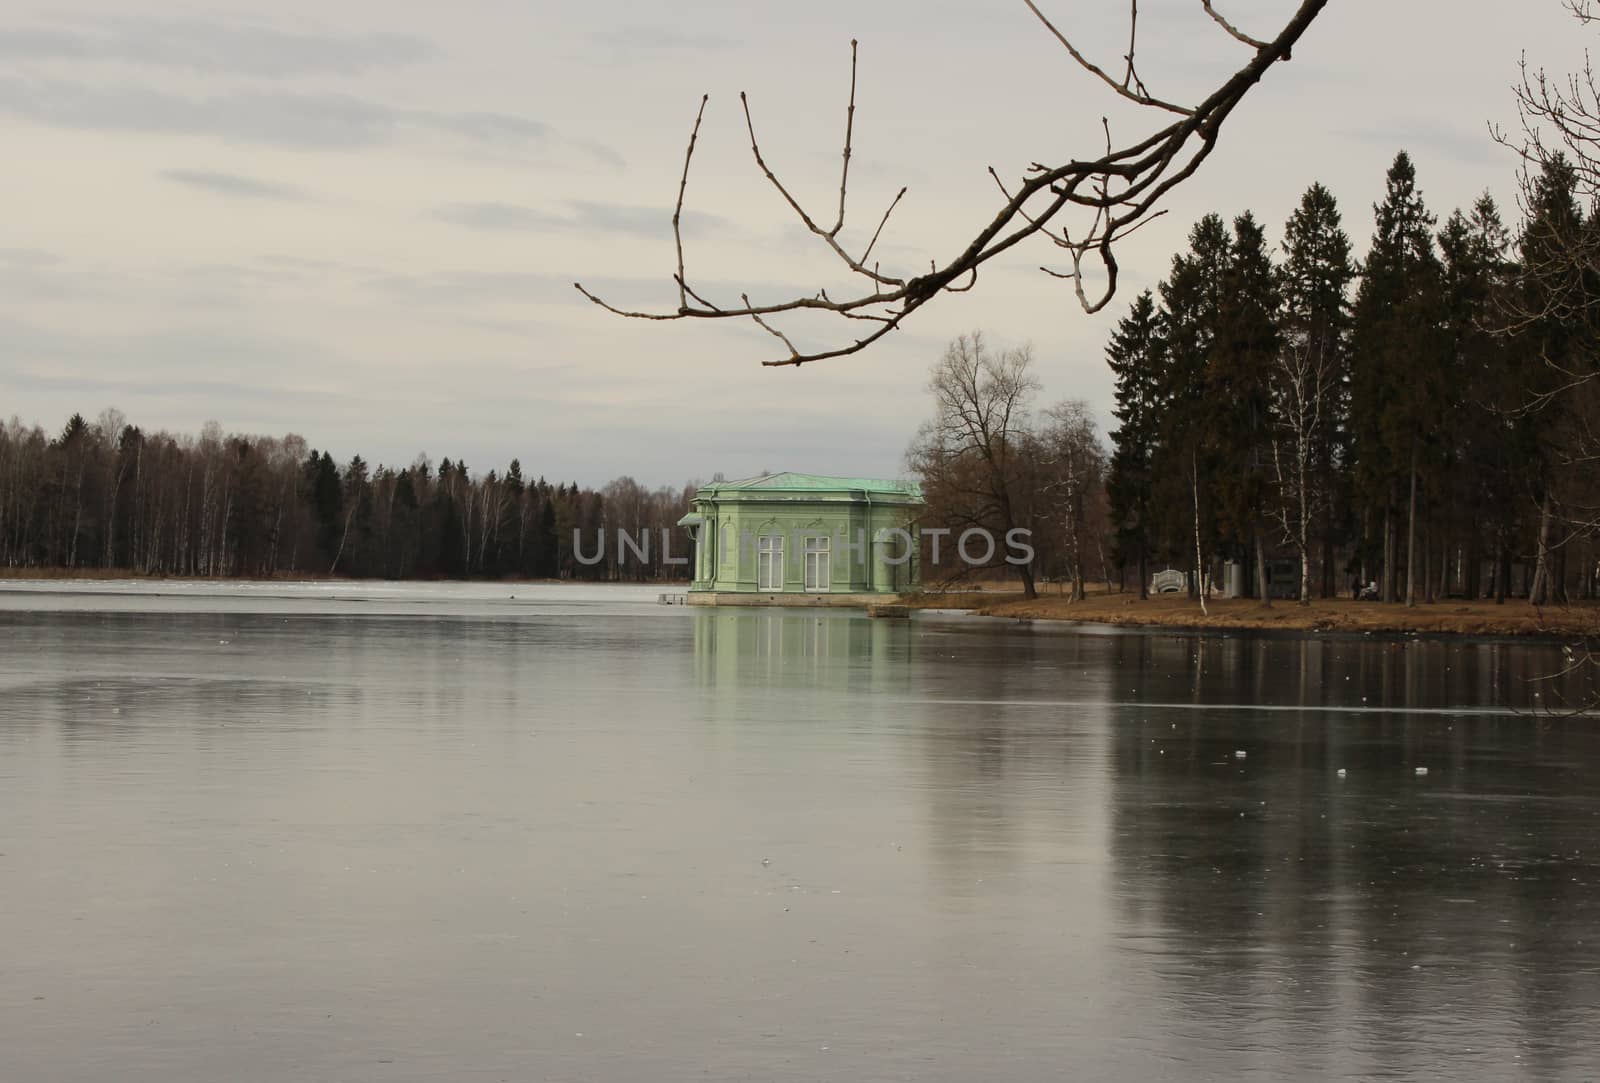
<point x="1310" y="374"/>
<point x="1303" y="389"/>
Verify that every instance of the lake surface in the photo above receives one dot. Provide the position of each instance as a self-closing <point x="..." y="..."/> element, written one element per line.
<point x="381" y="832"/>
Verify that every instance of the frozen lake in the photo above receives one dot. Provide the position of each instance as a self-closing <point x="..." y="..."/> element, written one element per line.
<point x="427" y="832"/>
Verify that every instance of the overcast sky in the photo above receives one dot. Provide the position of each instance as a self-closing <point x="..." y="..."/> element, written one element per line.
<point x="360" y="221"/>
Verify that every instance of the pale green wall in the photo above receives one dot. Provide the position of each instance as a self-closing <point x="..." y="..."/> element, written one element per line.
<point x="852" y="572"/>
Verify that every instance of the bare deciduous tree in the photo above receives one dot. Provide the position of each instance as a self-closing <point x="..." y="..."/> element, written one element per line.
<point x="1073" y="467"/>
<point x="1560" y="267"/>
<point x="1559" y="287"/>
<point x="1560" y="120"/>
<point x="973" y="456"/>
<point x="1114" y="190"/>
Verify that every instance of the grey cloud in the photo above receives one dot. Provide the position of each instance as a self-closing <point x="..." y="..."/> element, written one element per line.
<point x="465" y="288"/>
<point x="195" y="363"/>
<point x="518" y="329"/>
<point x="305" y="265"/>
<point x="226" y="283"/>
<point x="582" y="216"/>
<point x="600" y="153"/>
<point x="896" y="257"/>
<point x="277" y="118"/>
<point x="293" y="120"/>
<point x="131" y="390"/>
<point x="169" y="352"/>
<point x="497" y="217"/>
<point x="658" y="39"/>
<point x="230" y="184"/>
<point x="640" y="221"/>
<point x="40" y="44"/>
<point x="213" y="47"/>
<point x="460" y="287"/>
<point x="27" y="257"/>
<point x="45" y="276"/>
<point x="604" y="438"/>
<point x="1466" y="146"/>
<point x="488" y="127"/>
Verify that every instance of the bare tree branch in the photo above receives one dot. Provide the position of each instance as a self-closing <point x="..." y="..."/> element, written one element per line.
<point x="1137" y="96"/>
<point x="849" y="130"/>
<point x="1230" y="28"/>
<point x="677" y="211"/>
<point x="768" y="328"/>
<point x="1131" y="77"/>
<point x="885" y="221"/>
<point x="1118" y="189"/>
<point x="831" y="236"/>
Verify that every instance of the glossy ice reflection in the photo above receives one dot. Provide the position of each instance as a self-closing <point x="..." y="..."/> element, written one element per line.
<point x="384" y="833"/>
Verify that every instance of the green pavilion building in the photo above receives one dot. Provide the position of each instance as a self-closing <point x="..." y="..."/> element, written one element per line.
<point x="804" y="539"/>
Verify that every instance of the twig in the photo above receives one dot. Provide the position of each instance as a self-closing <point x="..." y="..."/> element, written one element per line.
<point x="1230" y="28"/>
<point x="875" y="233"/>
<point x="764" y="325"/>
<point x="1090" y="66"/>
<point x="833" y="241"/>
<point x="849" y="129"/>
<point x="677" y="211"/>
<point x="1128" y="77"/>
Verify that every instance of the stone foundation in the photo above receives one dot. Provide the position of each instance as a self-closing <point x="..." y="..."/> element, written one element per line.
<point x="794" y="601"/>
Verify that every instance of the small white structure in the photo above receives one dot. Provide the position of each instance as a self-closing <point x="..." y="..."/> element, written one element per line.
<point x="1170" y="581"/>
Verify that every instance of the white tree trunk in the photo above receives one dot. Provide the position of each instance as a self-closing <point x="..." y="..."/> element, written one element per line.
<point x="1199" y="558"/>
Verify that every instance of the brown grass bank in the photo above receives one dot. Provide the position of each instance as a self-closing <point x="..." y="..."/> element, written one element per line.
<point x="1324" y="615"/>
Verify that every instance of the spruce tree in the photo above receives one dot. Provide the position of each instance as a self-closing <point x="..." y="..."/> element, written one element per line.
<point x="1478" y="434"/>
<point x="1238" y="386"/>
<point x="450" y="559"/>
<point x="1396" y="369"/>
<point x="513" y="526"/>
<point x="1191" y="304"/>
<point x="405" y="524"/>
<point x="1136" y="355"/>
<point x="546" y="548"/>
<point x="323" y="492"/>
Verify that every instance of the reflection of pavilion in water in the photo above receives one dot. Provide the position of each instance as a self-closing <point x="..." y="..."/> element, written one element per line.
<point x="839" y="649"/>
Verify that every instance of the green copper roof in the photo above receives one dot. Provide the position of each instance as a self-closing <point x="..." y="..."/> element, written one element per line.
<point x="790" y="482"/>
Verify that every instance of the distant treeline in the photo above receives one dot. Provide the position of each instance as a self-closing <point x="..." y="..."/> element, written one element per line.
<point x="1427" y="419"/>
<point x="109" y="495"/>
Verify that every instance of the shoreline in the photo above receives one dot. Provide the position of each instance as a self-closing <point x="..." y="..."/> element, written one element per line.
<point x="122" y="575"/>
<point x="1178" y="613"/>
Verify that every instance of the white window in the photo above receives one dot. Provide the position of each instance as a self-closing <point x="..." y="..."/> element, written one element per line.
<point x="818" y="570"/>
<point x="769" y="562"/>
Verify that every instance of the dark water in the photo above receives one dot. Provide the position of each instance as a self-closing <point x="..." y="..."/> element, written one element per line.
<point x="385" y="834"/>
